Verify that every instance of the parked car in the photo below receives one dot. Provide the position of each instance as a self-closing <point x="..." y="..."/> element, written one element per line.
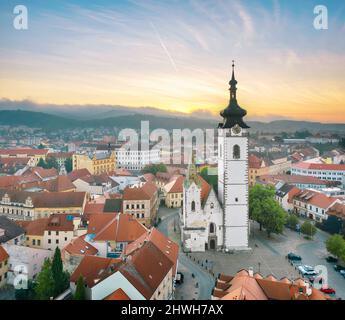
<point x="294" y="257"/>
<point x="307" y="270"/>
<point x="328" y="290"/>
<point x="342" y="272"/>
<point x="331" y="259"/>
<point x="338" y="267"/>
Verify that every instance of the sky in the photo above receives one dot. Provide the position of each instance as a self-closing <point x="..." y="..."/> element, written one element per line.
<point x="176" y="55"/>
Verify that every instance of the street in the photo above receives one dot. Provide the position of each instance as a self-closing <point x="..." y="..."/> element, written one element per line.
<point x="187" y="290"/>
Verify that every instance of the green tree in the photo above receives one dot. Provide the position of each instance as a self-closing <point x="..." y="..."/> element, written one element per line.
<point x="292" y="221"/>
<point x="154" y="168"/>
<point x="264" y="209"/>
<point x="52" y="163"/>
<point x="68" y="165"/>
<point x="61" y="278"/>
<point x="336" y="246"/>
<point x="258" y="194"/>
<point x="44" y="288"/>
<point x="308" y="229"/>
<point x="41" y="163"/>
<point x="80" y="293"/>
<point x="211" y="179"/>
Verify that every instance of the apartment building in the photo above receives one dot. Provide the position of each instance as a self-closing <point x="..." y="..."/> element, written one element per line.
<point x="22" y="205"/>
<point x="141" y="202"/>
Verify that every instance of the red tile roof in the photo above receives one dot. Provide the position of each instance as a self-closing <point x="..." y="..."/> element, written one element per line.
<point x="77" y="174"/>
<point x="115" y="227"/>
<point x="3" y="254"/>
<point x="146" y="192"/>
<point x="80" y="247"/>
<point x="119" y="294"/>
<point x="169" y="248"/>
<point x="315" y="198"/>
<point x="94" y="269"/>
<point x="319" y="166"/>
<point x="255" y="162"/>
<point x="23" y="151"/>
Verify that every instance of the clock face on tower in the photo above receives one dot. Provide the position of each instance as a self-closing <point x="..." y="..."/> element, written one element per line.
<point x="236" y="129"/>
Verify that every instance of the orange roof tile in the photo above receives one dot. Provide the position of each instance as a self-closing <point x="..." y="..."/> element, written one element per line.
<point x="3" y="254"/>
<point x="119" y="294"/>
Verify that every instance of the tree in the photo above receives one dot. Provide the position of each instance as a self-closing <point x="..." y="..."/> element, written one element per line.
<point x="292" y="221"/>
<point x="52" y="163"/>
<point x="69" y="165"/>
<point x="61" y="279"/>
<point x="80" y="293"/>
<point x="154" y="168"/>
<point x="211" y="179"/>
<point x="41" y="163"/>
<point x="44" y="288"/>
<point x="308" y="229"/>
<point x="336" y="246"/>
<point x="264" y="209"/>
<point x="257" y="196"/>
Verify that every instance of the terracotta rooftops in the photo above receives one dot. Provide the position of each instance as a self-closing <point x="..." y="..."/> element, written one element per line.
<point x="319" y="166"/>
<point x="145" y="192"/>
<point x="119" y="294"/>
<point x="115" y="227"/>
<point x="246" y="286"/>
<point x="80" y="247"/>
<point x="315" y="198"/>
<point x="23" y="151"/>
<point x="94" y="269"/>
<point x="3" y="254"/>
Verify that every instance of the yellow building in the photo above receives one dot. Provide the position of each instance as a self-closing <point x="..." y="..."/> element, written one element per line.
<point x="3" y="266"/>
<point x="173" y="192"/>
<point x="26" y="206"/>
<point x="98" y="163"/>
<point x="257" y="167"/>
<point x="33" y="154"/>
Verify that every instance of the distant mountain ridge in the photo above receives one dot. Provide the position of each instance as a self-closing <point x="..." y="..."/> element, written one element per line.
<point x="52" y="122"/>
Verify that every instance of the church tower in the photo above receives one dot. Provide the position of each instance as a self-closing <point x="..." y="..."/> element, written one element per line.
<point x="233" y="172"/>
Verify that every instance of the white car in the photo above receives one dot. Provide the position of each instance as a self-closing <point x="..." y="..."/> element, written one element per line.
<point x="307" y="270"/>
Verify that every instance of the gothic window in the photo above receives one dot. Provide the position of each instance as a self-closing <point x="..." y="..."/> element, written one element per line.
<point x="212" y="228"/>
<point x="212" y="205"/>
<point x="236" y="152"/>
<point x="193" y="206"/>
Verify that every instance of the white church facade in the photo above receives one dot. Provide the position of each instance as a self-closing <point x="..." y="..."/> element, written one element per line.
<point x="211" y="221"/>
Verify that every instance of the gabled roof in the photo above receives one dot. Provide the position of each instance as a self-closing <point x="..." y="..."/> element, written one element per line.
<point x="315" y="198"/>
<point x="175" y="185"/>
<point x="119" y="294"/>
<point x="146" y="269"/>
<point x="77" y="174"/>
<point x="23" y="151"/>
<point x="115" y="227"/>
<point x="80" y="247"/>
<point x="94" y="269"/>
<point x="169" y="248"/>
<point x="145" y="192"/>
<point x="244" y="286"/>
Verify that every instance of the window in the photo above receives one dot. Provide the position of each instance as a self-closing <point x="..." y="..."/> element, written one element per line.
<point x="236" y="152"/>
<point x="193" y="205"/>
<point x="49" y="241"/>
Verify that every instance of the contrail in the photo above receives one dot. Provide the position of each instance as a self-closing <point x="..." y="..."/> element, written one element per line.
<point x="163" y="46"/>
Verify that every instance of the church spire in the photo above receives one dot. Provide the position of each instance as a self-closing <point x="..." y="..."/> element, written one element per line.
<point x="233" y="113"/>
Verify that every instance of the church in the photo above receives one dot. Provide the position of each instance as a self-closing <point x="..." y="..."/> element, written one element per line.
<point x="211" y="221"/>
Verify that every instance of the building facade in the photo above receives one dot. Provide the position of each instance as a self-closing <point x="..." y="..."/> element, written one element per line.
<point x="97" y="163"/>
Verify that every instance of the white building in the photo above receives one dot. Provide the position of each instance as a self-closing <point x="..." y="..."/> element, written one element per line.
<point x="25" y="261"/>
<point x="137" y="158"/>
<point x="323" y="171"/>
<point x="211" y="222"/>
